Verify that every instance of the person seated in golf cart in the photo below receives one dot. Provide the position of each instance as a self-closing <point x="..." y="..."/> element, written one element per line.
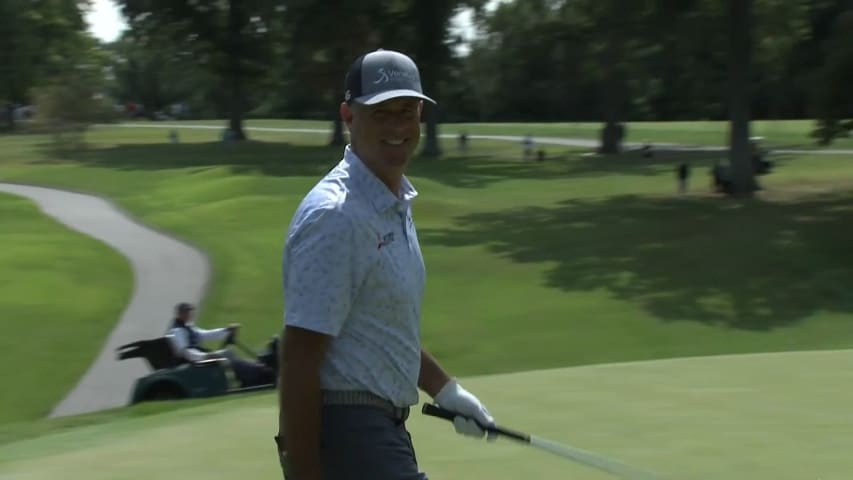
<point x="187" y="338"/>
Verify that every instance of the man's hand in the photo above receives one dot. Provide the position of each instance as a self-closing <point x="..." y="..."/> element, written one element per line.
<point x="455" y="398"/>
<point x="233" y="327"/>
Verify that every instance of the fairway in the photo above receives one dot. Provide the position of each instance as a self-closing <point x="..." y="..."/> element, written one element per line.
<point x="766" y="416"/>
<point x="596" y="258"/>
<point x="627" y="229"/>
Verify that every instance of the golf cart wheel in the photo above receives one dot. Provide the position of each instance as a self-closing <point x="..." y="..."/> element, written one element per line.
<point x="164" y="391"/>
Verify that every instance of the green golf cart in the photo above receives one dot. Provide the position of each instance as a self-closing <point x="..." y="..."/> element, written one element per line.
<point x="174" y="378"/>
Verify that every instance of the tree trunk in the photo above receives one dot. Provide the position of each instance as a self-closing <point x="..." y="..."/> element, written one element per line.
<point x="236" y="103"/>
<point x="613" y="131"/>
<point x="740" y="157"/>
<point x="431" y="147"/>
<point x="430" y="17"/>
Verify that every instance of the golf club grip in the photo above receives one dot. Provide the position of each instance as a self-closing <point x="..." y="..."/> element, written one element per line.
<point x="436" y="411"/>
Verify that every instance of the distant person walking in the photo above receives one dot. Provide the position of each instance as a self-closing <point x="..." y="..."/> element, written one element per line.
<point x="683" y="174"/>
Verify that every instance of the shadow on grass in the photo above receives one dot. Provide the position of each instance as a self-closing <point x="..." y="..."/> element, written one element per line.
<point x="464" y="170"/>
<point x="276" y="159"/>
<point x="751" y="265"/>
<point x="663" y="161"/>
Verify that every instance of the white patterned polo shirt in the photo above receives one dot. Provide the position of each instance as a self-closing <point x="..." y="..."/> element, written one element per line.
<point x="352" y="269"/>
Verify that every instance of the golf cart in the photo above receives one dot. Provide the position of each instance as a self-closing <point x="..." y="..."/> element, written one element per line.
<point x="173" y="377"/>
<point x="723" y="181"/>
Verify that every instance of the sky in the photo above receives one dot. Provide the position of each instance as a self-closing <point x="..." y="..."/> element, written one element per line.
<point x="106" y="23"/>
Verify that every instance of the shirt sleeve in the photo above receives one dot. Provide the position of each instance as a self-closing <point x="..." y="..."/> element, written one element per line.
<point x="318" y="272"/>
<point x="213" y="335"/>
<point x="180" y="343"/>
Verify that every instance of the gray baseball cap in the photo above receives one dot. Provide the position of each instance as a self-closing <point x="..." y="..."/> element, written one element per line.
<point x="382" y="75"/>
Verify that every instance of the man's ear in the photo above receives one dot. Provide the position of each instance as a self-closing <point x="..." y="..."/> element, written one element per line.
<point x="346" y="114"/>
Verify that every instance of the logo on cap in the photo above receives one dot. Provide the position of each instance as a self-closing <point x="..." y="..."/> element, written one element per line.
<point x="386" y="76"/>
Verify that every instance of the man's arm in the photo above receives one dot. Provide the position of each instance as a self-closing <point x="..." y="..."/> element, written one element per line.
<point x="432" y="377"/>
<point x="300" y="358"/>
<point x="180" y="346"/>
<point x="212" y="335"/>
<point x="317" y="280"/>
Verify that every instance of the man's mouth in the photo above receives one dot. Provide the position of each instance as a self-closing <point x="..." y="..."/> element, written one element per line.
<point x="394" y="142"/>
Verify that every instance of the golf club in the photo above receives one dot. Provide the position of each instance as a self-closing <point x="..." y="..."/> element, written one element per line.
<point x="231" y="339"/>
<point x="589" y="459"/>
<point x="248" y="351"/>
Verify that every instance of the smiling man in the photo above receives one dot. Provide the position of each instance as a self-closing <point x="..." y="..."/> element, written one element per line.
<point x="353" y="278"/>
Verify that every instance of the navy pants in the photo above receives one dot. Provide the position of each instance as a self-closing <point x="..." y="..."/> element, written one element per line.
<point x="364" y="443"/>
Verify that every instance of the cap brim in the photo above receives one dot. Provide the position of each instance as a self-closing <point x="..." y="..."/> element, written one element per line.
<point x="388" y="95"/>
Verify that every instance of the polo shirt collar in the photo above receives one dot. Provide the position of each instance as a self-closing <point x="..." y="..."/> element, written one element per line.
<point x="377" y="192"/>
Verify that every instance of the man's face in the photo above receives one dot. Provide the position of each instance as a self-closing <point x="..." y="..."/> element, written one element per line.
<point x="386" y="134"/>
<point x="185" y="316"/>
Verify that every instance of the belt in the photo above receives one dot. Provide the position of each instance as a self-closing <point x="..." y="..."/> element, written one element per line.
<point x="364" y="399"/>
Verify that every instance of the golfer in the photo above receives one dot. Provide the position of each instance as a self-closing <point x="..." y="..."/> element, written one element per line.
<point x="353" y="278"/>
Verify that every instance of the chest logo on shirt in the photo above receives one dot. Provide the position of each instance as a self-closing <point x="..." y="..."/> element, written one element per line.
<point x="383" y="241"/>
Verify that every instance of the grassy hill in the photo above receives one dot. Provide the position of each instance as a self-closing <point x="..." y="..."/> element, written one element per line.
<point x="573" y="261"/>
<point x="60" y="294"/>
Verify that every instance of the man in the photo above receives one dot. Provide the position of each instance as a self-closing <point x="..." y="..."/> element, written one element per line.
<point x="187" y="339"/>
<point x="683" y="173"/>
<point x="353" y="277"/>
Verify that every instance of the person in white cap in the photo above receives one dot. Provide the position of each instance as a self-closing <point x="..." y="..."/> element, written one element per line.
<point x="353" y="277"/>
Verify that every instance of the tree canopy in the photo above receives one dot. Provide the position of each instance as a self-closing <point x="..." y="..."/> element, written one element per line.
<point x="532" y="60"/>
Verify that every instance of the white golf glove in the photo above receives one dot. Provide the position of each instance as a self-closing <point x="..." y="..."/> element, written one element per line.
<point x="456" y="399"/>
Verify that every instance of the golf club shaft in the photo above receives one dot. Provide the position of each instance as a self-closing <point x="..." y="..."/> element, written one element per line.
<point x="245" y="349"/>
<point x="575" y="454"/>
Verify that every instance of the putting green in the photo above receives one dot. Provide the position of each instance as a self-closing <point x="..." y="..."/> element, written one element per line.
<point x="761" y="416"/>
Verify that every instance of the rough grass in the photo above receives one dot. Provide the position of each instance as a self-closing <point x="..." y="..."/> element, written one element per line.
<point x="60" y="294"/>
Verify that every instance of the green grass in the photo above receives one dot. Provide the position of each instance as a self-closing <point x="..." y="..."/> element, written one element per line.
<point x="777" y="133"/>
<point x="790" y="133"/>
<point x="756" y="417"/>
<point x="60" y="294"/>
<point x="574" y="261"/>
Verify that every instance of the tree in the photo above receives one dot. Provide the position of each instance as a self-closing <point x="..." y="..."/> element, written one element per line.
<point x="74" y="99"/>
<point x="431" y="43"/>
<point x="317" y="76"/>
<point x="233" y="39"/>
<point x="740" y="53"/>
<point x="38" y="38"/>
<point x="833" y="94"/>
<point x="530" y="64"/>
<point x="157" y="73"/>
<point x="417" y="27"/>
